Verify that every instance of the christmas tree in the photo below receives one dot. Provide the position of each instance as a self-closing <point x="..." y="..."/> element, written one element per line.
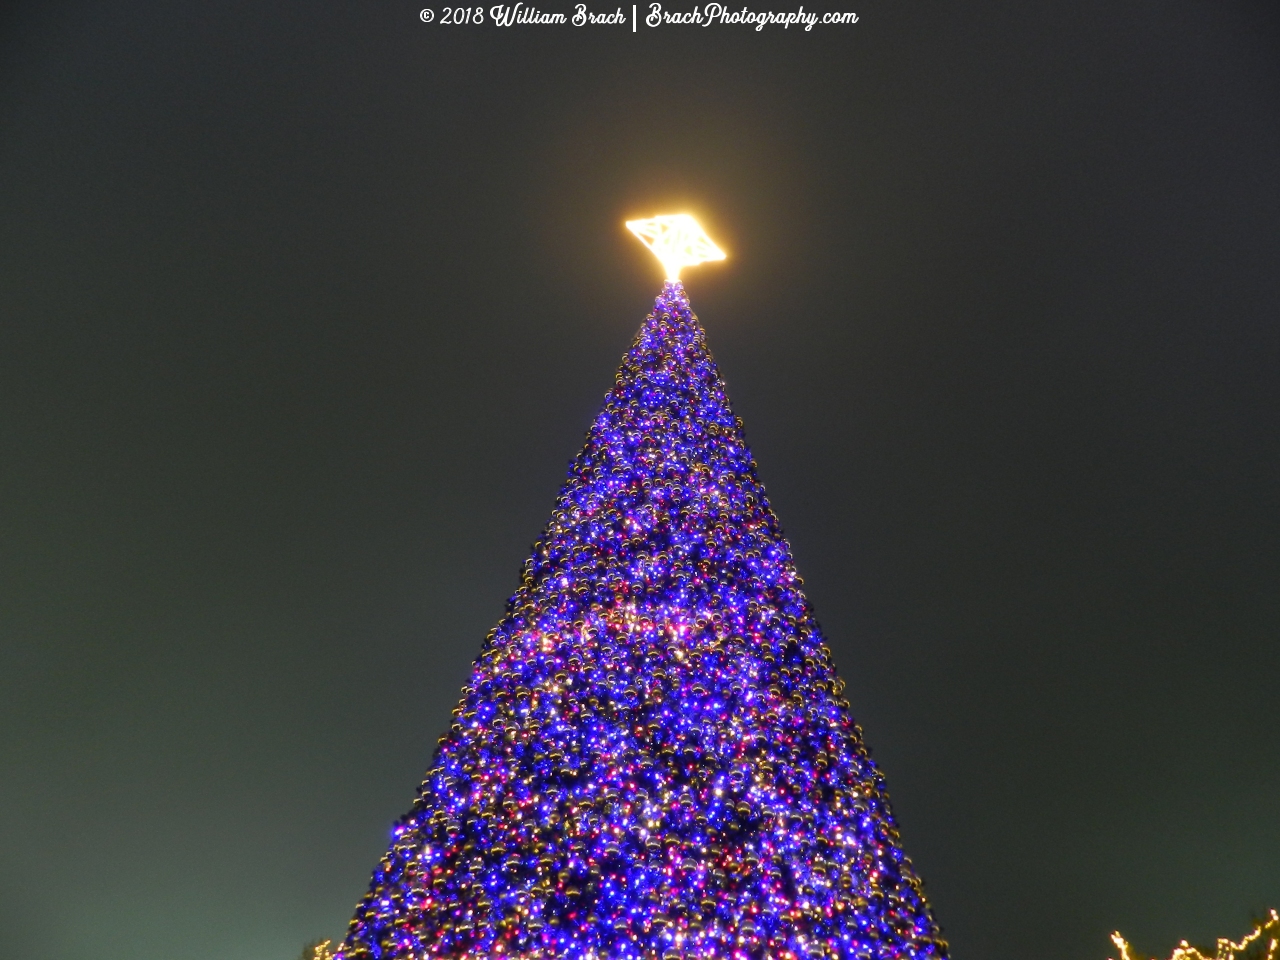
<point x="652" y="758"/>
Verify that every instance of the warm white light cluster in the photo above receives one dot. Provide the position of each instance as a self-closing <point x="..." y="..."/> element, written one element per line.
<point x="1226" y="950"/>
<point x="677" y="241"/>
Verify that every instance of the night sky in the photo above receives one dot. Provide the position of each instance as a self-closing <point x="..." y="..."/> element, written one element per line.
<point x="304" y="309"/>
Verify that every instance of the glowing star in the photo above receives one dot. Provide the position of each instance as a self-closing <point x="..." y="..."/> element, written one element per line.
<point x="677" y="241"/>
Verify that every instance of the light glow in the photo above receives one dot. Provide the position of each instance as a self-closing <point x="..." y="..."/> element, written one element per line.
<point x="1226" y="949"/>
<point x="677" y="241"/>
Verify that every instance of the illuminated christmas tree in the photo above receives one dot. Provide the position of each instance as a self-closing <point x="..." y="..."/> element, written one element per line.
<point x="652" y="758"/>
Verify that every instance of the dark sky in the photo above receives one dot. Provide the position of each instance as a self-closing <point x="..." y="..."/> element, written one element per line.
<point x="304" y="308"/>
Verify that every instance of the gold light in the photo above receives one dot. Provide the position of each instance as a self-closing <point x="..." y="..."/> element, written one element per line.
<point x="1226" y="950"/>
<point x="677" y="241"/>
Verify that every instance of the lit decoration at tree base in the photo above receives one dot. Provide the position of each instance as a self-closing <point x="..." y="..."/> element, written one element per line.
<point x="1263" y="943"/>
<point x="652" y="759"/>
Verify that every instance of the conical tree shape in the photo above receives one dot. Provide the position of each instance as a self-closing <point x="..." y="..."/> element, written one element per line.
<point x="652" y="758"/>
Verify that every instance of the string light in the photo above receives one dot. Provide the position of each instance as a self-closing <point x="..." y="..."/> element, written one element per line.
<point x="652" y="759"/>
<point x="677" y="241"/>
<point x="1226" y="949"/>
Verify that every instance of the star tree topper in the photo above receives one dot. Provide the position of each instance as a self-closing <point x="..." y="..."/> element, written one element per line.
<point x="677" y="241"/>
